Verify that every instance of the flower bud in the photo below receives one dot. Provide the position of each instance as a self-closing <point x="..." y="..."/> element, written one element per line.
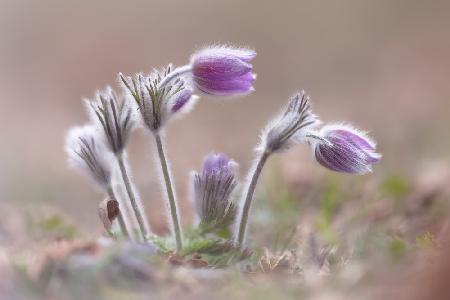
<point x="290" y="126"/>
<point x="213" y="188"/>
<point x="88" y="155"/>
<point x="158" y="103"/>
<point x="113" y="115"/>
<point x="223" y="71"/>
<point x="342" y="148"/>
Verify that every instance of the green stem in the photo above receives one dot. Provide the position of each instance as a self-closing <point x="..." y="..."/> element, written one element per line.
<point x="170" y="192"/>
<point x="137" y="210"/>
<point x="256" y="169"/>
<point x="120" y="218"/>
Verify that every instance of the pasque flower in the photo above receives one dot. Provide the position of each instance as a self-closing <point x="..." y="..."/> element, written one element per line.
<point x="343" y="148"/>
<point x="223" y="70"/>
<point x="159" y="97"/>
<point x="212" y="191"/>
<point x="158" y="103"/>
<point x="290" y="126"/>
<point x="90" y="156"/>
<point x="113" y="116"/>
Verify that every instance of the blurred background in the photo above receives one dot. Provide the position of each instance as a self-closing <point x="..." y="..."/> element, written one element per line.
<point x="381" y="65"/>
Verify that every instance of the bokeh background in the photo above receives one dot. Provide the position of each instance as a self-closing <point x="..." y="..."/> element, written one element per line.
<point x="381" y="65"/>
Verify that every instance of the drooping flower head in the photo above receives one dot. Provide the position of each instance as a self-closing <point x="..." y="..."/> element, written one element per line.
<point x="88" y="155"/>
<point x="114" y="116"/>
<point x="290" y="126"/>
<point x="213" y="188"/>
<point x="223" y="70"/>
<point x="342" y="148"/>
<point x="157" y="104"/>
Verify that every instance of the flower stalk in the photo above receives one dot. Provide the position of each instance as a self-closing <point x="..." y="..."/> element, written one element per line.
<point x="140" y="217"/>
<point x="175" y="74"/>
<point x="246" y="202"/>
<point x="120" y="216"/>
<point x="170" y="191"/>
<point x="287" y="129"/>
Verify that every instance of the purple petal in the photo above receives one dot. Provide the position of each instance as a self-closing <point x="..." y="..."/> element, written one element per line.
<point x="182" y="98"/>
<point x="354" y="138"/>
<point x="219" y="67"/>
<point x="338" y="159"/>
<point x="347" y="152"/>
<point x="359" y="141"/>
<point x="373" y="157"/>
<point x="216" y="163"/>
<point x="238" y="85"/>
<point x="213" y="188"/>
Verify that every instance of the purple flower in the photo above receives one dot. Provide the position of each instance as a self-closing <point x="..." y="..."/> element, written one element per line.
<point x="212" y="190"/>
<point x="223" y="71"/>
<point x="217" y="163"/>
<point x="342" y="148"/>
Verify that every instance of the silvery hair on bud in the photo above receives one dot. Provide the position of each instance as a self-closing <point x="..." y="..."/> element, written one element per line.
<point x="113" y="115"/>
<point x="212" y="191"/>
<point x="343" y="148"/>
<point x="88" y="154"/>
<point x="157" y="104"/>
<point x="290" y="126"/>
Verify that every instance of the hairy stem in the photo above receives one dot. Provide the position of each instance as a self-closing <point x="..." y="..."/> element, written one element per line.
<point x="170" y="192"/>
<point x="120" y="217"/>
<point x="252" y="181"/>
<point x="140" y="217"/>
<point x="175" y="73"/>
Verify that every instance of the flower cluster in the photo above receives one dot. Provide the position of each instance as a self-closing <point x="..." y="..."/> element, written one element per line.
<point x="153" y="99"/>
